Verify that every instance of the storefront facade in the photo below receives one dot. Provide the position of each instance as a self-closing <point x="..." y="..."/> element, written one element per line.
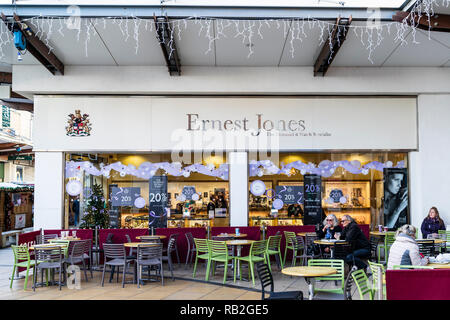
<point x="234" y="140"/>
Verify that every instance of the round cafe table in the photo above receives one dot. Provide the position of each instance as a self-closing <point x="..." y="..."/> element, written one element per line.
<point x="239" y="244"/>
<point x="232" y="235"/>
<point x="151" y="237"/>
<point x="309" y="273"/>
<point x="48" y="246"/>
<point x="136" y="244"/>
<point x="377" y="233"/>
<point x="332" y="244"/>
<point x="64" y="239"/>
<point x="437" y="265"/>
<point x="304" y="234"/>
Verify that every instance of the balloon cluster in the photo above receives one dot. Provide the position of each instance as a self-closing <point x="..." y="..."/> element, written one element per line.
<point x="146" y="170"/>
<point x="326" y="168"/>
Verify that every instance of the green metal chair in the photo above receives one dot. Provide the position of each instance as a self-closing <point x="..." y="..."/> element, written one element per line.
<point x="389" y="239"/>
<point x="22" y="253"/>
<point x="257" y="254"/>
<point x="362" y="283"/>
<point x="202" y="252"/>
<point x="273" y="248"/>
<point x="445" y="235"/>
<point x="288" y="235"/>
<point x="374" y="267"/>
<point x="404" y="267"/>
<point x="218" y="252"/>
<point x="338" y="277"/>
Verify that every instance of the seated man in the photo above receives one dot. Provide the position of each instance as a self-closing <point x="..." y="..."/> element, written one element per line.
<point x="360" y="245"/>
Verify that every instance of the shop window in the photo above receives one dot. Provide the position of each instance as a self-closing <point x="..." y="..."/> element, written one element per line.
<point x="353" y="185"/>
<point x="192" y="195"/>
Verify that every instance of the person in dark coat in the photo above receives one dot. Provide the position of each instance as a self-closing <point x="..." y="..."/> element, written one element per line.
<point x="360" y="245"/>
<point x="432" y="223"/>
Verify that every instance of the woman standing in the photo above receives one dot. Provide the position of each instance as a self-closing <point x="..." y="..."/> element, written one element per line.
<point x="432" y="223"/>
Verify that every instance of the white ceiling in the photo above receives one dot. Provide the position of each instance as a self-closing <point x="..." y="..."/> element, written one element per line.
<point x="219" y="44"/>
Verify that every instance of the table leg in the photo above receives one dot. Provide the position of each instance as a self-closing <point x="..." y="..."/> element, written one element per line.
<point x="310" y="282"/>
<point x="238" y="249"/>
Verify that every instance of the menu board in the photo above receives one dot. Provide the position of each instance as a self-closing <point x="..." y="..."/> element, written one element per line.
<point x="313" y="199"/>
<point x="114" y="221"/>
<point x="289" y="194"/>
<point x="158" y="202"/>
<point x="122" y="197"/>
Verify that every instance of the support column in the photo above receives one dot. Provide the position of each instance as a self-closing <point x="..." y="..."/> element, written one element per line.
<point x="238" y="177"/>
<point x="48" y="190"/>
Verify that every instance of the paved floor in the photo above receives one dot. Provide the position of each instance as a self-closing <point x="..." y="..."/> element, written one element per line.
<point x="185" y="287"/>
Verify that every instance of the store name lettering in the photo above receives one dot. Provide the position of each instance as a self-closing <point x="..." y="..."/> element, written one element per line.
<point x="196" y="124"/>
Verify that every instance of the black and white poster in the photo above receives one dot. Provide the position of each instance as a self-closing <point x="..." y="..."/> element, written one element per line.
<point x="313" y="199"/>
<point x="395" y="200"/>
<point x="158" y="200"/>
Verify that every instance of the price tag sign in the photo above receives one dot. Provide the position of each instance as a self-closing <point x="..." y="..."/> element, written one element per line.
<point x="289" y="194"/>
<point x="313" y="199"/>
<point x="158" y="198"/>
<point x="122" y="197"/>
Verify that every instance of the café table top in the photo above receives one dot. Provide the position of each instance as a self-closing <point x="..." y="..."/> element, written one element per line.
<point x="48" y="246"/>
<point x="435" y="240"/>
<point x="239" y="242"/>
<point x="311" y="271"/>
<point x="151" y="237"/>
<point x="64" y="239"/>
<point x="439" y="265"/>
<point x="377" y="233"/>
<point x="234" y="235"/>
<point x="136" y="244"/>
<point x="303" y="234"/>
<point x="329" y="243"/>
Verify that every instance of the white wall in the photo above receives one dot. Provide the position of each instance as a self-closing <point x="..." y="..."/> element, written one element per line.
<point x="429" y="167"/>
<point x="29" y="79"/>
<point x="48" y="194"/>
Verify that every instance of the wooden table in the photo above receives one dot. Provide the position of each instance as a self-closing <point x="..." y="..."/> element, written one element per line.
<point x="330" y="243"/>
<point x="239" y="244"/>
<point x="48" y="246"/>
<point x="304" y="234"/>
<point x="151" y="237"/>
<point x="439" y="265"/>
<point x="136" y="244"/>
<point x="232" y="235"/>
<point x="309" y="273"/>
<point x="377" y="233"/>
<point x="64" y="239"/>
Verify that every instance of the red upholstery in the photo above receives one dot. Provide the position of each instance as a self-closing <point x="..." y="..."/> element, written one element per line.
<point x="181" y="240"/>
<point x="83" y="234"/>
<point x="119" y="235"/>
<point x="365" y="228"/>
<point x="418" y="284"/>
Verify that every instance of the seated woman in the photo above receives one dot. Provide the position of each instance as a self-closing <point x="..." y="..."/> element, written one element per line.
<point x="405" y="250"/>
<point x="328" y="229"/>
<point x="432" y="223"/>
<point x="330" y="226"/>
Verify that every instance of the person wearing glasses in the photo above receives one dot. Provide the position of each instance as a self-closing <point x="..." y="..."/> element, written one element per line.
<point x="328" y="229"/>
<point x="405" y="250"/>
<point x="359" y="243"/>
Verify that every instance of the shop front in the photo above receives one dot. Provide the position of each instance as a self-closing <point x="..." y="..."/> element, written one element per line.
<point x="226" y="161"/>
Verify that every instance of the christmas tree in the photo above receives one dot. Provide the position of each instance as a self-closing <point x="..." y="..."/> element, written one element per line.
<point x="95" y="214"/>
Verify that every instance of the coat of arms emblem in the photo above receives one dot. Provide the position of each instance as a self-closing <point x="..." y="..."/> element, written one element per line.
<point x="78" y="125"/>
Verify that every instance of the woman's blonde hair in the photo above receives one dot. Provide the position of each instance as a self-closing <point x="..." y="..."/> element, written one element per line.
<point x="335" y="220"/>
<point x="406" y="229"/>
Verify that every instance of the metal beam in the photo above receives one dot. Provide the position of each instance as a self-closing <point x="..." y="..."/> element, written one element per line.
<point x="168" y="45"/>
<point x="19" y="104"/>
<point x="437" y="22"/>
<point x="186" y="11"/>
<point x="330" y="50"/>
<point x="36" y="47"/>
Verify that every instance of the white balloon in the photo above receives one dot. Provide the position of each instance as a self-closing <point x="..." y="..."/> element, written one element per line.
<point x="74" y="187"/>
<point x="343" y="200"/>
<point x="139" y="202"/>
<point x="195" y="197"/>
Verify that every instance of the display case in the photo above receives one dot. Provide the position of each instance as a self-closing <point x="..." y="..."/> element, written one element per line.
<point x="289" y="222"/>
<point x="134" y="220"/>
<point x="189" y="223"/>
<point x="347" y="197"/>
<point x="274" y="222"/>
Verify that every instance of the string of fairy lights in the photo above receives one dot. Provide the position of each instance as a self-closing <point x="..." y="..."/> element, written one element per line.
<point x="295" y="31"/>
